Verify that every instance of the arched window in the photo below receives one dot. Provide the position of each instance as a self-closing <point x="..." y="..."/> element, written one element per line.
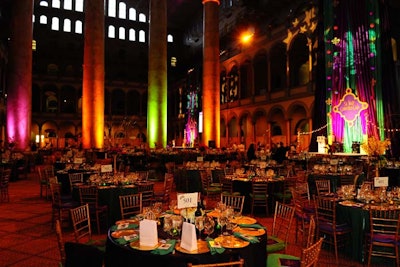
<point x="122" y="10"/>
<point x="142" y="36"/>
<point x="142" y="17"/>
<point x="112" y="8"/>
<point x="78" y="26"/>
<point x="67" y="4"/>
<point x="43" y="3"/>
<point x="132" y="35"/>
<point x="132" y="14"/>
<point x="67" y="25"/>
<point x="111" y="31"/>
<point x="55" y="24"/>
<point x="121" y="33"/>
<point x="43" y="19"/>
<point x="55" y="4"/>
<point x="170" y="38"/>
<point x="79" y="5"/>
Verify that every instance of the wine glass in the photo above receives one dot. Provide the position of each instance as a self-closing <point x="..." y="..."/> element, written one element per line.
<point x="209" y="225"/>
<point x="199" y="223"/>
<point x="222" y="221"/>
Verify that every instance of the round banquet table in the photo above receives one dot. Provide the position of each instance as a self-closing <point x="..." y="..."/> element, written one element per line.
<point x="117" y="255"/>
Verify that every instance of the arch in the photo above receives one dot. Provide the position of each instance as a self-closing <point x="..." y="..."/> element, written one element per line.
<point x="36" y="93"/>
<point x="245" y="79"/>
<point x="122" y="10"/>
<point x="142" y="17"/>
<point x="118" y="102"/>
<point x="134" y="103"/>
<point x="68" y="99"/>
<point x="260" y="67"/>
<point x="132" y="13"/>
<point x="233" y="84"/>
<point x="223" y="87"/>
<point x="298" y="61"/>
<point x="50" y="98"/>
<point x="278" y="66"/>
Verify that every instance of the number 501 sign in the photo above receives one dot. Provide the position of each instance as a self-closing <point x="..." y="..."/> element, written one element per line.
<point x="187" y="200"/>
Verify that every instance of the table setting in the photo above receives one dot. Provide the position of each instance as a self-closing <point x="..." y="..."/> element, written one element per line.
<point x="179" y="235"/>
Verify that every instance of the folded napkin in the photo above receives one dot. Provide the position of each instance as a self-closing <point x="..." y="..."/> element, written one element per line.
<point x="251" y="239"/>
<point x="129" y="226"/>
<point x="165" y="248"/>
<point x="127" y="239"/>
<point x="213" y="247"/>
<point x="254" y="225"/>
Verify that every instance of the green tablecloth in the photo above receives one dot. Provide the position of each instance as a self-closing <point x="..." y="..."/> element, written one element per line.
<point x="110" y="196"/>
<point x="358" y="219"/>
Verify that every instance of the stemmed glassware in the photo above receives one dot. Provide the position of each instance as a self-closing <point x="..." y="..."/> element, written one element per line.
<point x="199" y="223"/>
<point x="222" y="221"/>
<point x="209" y="225"/>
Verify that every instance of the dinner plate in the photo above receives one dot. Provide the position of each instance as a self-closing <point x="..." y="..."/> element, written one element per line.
<point x="230" y="241"/>
<point x="128" y="221"/>
<point x="202" y="247"/>
<point x="249" y="231"/>
<point x="213" y="213"/>
<point x="122" y="233"/>
<point x="244" y="220"/>
<point x="136" y="245"/>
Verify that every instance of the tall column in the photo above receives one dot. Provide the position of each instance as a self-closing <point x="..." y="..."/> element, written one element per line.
<point x="157" y="75"/>
<point x="19" y="77"/>
<point x="93" y="76"/>
<point x="211" y="79"/>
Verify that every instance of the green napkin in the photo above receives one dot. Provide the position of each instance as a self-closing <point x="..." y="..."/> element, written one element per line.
<point x="130" y="226"/>
<point x="250" y="238"/>
<point x="214" y="249"/>
<point x="255" y="225"/>
<point x="166" y="248"/>
<point x="123" y="240"/>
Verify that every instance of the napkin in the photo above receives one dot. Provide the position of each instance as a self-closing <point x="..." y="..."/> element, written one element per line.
<point x="255" y="225"/>
<point x="214" y="248"/>
<point x="166" y="248"/>
<point x="188" y="239"/>
<point x="127" y="239"/>
<point x="129" y="226"/>
<point x="251" y="239"/>
<point x="148" y="233"/>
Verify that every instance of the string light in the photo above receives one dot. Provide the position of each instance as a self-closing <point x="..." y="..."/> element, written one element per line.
<point x="313" y="131"/>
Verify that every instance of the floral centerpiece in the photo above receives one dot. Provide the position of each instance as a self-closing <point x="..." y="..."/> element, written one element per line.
<point x="375" y="149"/>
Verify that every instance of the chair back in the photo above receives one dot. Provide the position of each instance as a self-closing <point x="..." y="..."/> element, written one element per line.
<point x="55" y="189"/>
<point x="259" y="195"/>
<point x="143" y="176"/>
<point x="282" y="222"/>
<point x="88" y="194"/>
<point x="311" y="231"/>
<point x="131" y="205"/>
<point x="147" y="190"/>
<point x="310" y="255"/>
<point x="384" y="233"/>
<point x="74" y="179"/>
<point x="325" y="210"/>
<point x="302" y="192"/>
<point x="323" y="186"/>
<point x="80" y="217"/>
<point x="239" y="263"/>
<point x="234" y="201"/>
<point x="227" y="185"/>
<point x="60" y="241"/>
<point x="5" y="178"/>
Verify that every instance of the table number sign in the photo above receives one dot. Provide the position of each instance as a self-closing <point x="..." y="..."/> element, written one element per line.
<point x="187" y="200"/>
<point x="106" y="168"/>
<point x="381" y="181"/>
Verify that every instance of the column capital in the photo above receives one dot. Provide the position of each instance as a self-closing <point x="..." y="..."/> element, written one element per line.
<point x="205" y="1"/>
